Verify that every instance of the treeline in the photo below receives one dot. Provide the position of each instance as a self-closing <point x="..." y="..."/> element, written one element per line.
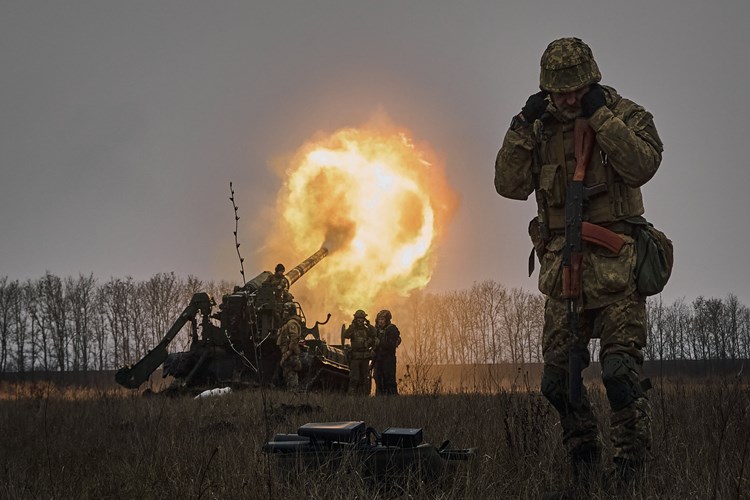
<point x="489" y="323"/>
<point x="82" y="324"/>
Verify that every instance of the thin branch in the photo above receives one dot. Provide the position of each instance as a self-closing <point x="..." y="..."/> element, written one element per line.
<point x="236" y="227"/>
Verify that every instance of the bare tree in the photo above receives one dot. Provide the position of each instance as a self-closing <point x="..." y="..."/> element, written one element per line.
<point x="743" y="332"/>
<point x="5" y="319"/>
<point x="489" y="296"/>
<point x="99" y="324"/>
<point x="517" y="324"/>
<point x="40" y="330"/>
<point x="20" y="321"/>
<point x="164" y="300"/>
<point x="80" y="293"/>
<point x="115" y="301"/>
<point x="657" y="336"/>
<point x="731" y="317"/>
<point x="55" y="309"/>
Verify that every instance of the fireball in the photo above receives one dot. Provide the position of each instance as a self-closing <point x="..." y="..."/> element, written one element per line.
<point x="377" y="201"/>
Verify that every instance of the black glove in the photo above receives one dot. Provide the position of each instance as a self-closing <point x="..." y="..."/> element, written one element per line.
<point x="592" y="100"/>
<point x="535" y="105"/>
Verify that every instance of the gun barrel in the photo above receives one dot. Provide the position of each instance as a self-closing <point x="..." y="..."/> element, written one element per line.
<point x="306" y="265"/>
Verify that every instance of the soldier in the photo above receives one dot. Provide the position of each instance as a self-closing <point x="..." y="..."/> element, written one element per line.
<point x="278" y="280"/>
<point x="280" y="285"/>
<point x="363" y="339"/>
<point x="384" y="362"/>
<point x="537" y="155"/>
<point x="290" y="335"/>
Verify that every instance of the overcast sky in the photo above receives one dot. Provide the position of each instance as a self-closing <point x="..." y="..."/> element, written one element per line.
<point x="123" y="122"/>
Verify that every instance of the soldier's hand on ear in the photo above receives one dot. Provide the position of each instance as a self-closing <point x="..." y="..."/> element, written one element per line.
<point x="592" y="100"/>
<point x="535" y="106"/>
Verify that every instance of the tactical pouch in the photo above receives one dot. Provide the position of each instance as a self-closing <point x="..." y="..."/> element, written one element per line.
<point x="552" y="184"/>
<point x="535" y="233"/>
<point x="655" y="257"/>
<point x="550" y="270"/>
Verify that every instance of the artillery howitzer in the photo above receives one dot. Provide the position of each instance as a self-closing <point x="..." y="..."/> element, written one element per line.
<point x="242" y="347"/>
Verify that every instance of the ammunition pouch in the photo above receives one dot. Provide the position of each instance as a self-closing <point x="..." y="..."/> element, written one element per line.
<point x="552" y="184"/>
<point x="606" y="272"/>
<point x="550" y="270"/>
<point x="606" y="276"/>
<point x="655" y="257"/>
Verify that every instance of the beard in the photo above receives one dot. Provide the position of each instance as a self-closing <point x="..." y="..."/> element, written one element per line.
<point x="570" y="114"/>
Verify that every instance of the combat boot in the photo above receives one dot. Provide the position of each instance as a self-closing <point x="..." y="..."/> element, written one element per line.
<point x="626" y="471"/>
<point x="586" y="467"/>
<point x="625" y="475"/>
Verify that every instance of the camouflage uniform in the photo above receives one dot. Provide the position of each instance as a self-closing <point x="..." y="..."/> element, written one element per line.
<point x="363" y="339"/>
<point x="280" y="286"/>
<point x="279" y="281"/>
<point x="626" y="155"/>
<point x="288" y="341"/>
<point x="384" y="362"/>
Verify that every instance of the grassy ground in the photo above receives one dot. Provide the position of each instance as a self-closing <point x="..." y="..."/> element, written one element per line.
<point x="101" y="443"/>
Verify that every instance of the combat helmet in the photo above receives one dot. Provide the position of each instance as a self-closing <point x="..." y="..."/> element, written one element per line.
<point x="385" y="313"/>
<point x="290" y="309"/>
<point x="360" y="314"/>
<point x="568" y="64"/>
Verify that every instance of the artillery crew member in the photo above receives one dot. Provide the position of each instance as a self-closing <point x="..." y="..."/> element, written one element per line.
<point x="538" y="155"/>
<point x="384" y="361"/>
<point x="278" y="280"/>
<point x="363" y="340"/>
<point x="288" y="340"/>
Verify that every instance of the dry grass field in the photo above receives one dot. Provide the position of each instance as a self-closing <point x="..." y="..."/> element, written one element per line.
<point x="73" y="442"/>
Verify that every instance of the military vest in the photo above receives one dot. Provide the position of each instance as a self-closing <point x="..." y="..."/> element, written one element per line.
<point x="361" y="338"/>
<point x="553" y="170"/>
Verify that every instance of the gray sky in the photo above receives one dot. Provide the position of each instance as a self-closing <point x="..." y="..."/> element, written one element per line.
<point x="122" y="123"/>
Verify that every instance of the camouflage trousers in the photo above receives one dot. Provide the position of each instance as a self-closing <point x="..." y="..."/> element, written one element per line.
<point x="290" y="367"/>
<point x="359" y="376"/>
<point x="621" y="326"/>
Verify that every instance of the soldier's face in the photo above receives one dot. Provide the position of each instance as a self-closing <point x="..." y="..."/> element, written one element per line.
<point x="569" y="103"/>
<point x="381" y="322"/>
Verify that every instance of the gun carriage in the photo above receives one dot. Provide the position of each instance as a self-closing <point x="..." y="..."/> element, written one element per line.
<point x="236" y="342"/>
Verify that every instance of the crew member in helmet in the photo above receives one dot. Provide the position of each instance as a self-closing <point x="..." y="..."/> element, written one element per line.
<point x="278" y="280"/>
<point x="280" y="285"/>
<point x="363" y="339"/>
<point x="384" y="360"/>
<point x="288" y="340"/>
<point x="538" y="156"/>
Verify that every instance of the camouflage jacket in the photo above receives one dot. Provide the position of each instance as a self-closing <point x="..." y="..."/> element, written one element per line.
<point x="278" y="281"/>
<point x="389" y="338"/>
<point x="289" y="337"/>
<point x="626" y="155"/>
<point x="363" y="340"/>
<point x="281" y="285"/>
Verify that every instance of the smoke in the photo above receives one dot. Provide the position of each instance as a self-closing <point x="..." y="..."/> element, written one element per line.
<point x="338" y="234"/>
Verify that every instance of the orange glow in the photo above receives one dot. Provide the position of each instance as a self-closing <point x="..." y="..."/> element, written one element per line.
<point x="377" y="201"/>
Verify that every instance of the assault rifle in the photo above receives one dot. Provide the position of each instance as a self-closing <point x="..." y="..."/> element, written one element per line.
<point x="576" y="232"/>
